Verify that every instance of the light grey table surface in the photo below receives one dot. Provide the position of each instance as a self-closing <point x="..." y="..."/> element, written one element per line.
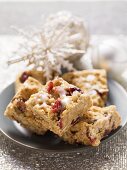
<point x="102" y="18"/>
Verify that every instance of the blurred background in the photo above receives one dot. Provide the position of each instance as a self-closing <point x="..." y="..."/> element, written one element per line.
<point x="103" y="17"/>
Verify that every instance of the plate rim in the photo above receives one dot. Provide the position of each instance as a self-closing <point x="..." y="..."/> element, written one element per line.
<point x="106" y="139"/>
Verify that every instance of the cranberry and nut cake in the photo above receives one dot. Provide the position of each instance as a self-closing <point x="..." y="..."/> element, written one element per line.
<point x="92" y="81"/>
<point x="60" y="104"/>
<point x="19" y="111"/>
<point x="23" y="76"/>
<point x="96" y="124"/>
<point x="65" y="109"/>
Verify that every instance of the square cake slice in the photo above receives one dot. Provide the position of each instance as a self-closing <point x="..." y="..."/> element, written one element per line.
<point x="96" y="124"/>
<point x="18" y="110"/>
<point x="60" y="104"/>
<point x="92" y="81"/>
<point x="23" y="76"/>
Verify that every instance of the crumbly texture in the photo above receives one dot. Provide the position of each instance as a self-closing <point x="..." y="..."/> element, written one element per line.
<point x="92" y="81"/>
<point x="60" y="104"/>
<point x="23" y="76"/>
<point x="95" y="125"/>
<point x="19" y="111"/>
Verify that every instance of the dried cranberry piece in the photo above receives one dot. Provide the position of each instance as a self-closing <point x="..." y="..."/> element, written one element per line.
<point x="21" y="105"/>
<point x="92" y="139"/>
<point x="50" y="86"/>
<point x="24" y="77"/>
<point x="57" y="107"/>
<point x="71" y="90"/>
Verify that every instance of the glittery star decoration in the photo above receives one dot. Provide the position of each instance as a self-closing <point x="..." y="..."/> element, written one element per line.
<point x="61" y="39"/>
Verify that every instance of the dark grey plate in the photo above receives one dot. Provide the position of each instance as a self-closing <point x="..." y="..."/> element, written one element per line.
<point x="50" y="142"/>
